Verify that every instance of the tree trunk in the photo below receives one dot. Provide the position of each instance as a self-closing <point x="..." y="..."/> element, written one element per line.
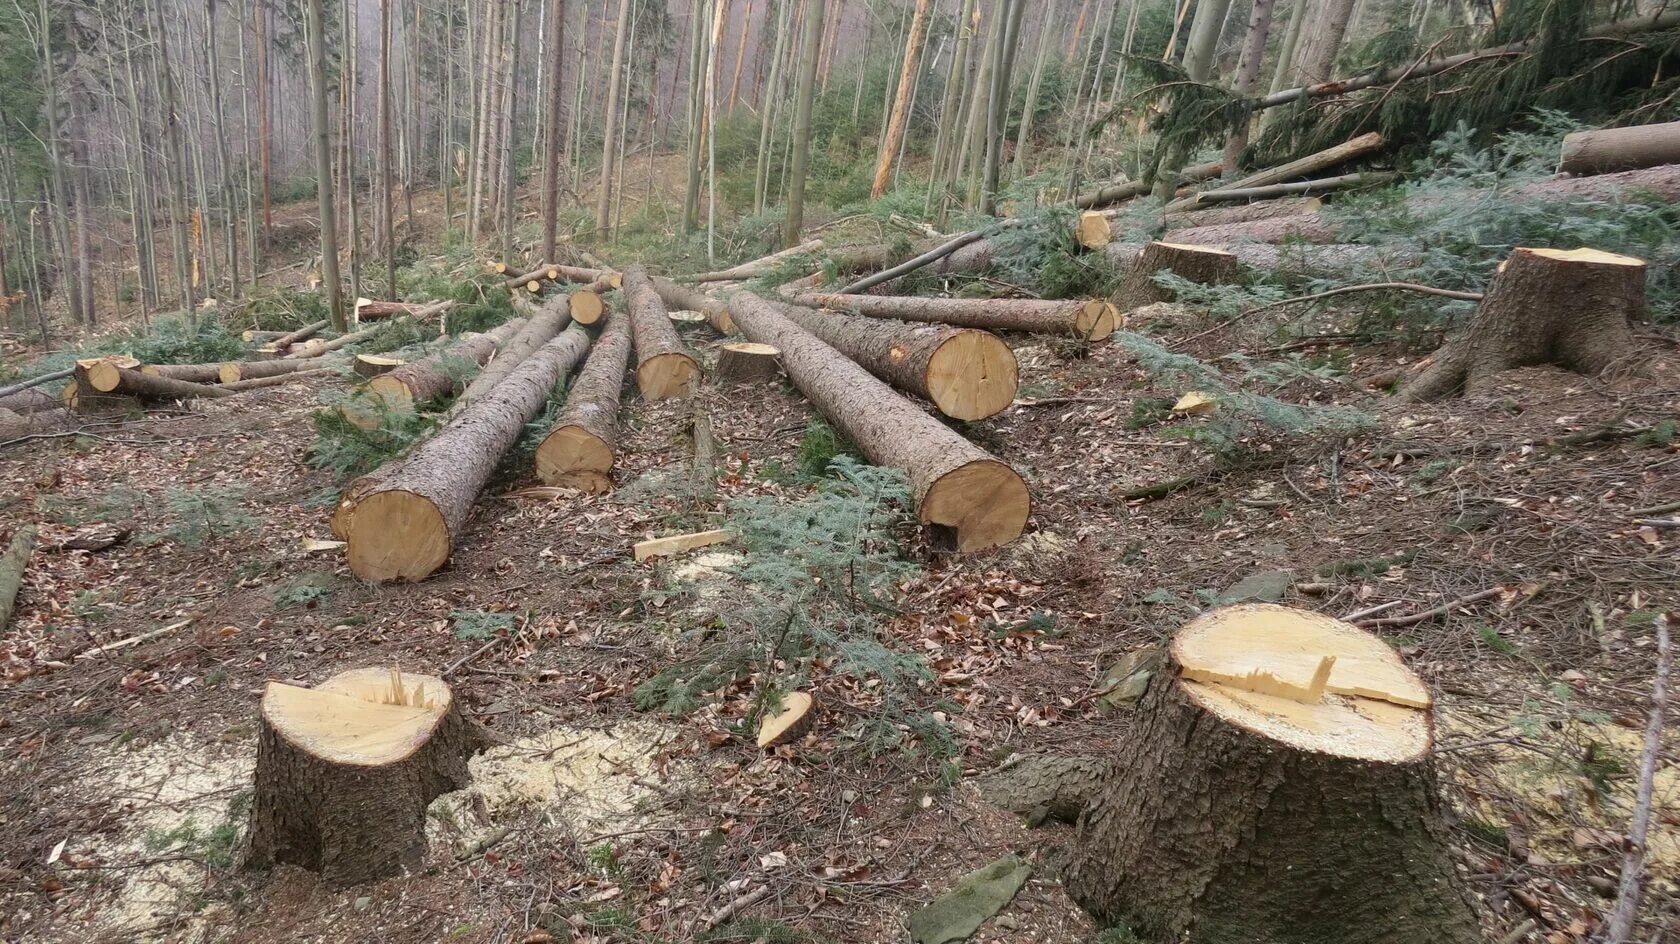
<point x="1285" y="71"/>
<point x="747" y="362"/>
<point x="603" y="204"/>
<point x="969" y="500"/>
<point x="1045" y="27"/>
<point x="907" y="76"/>
<point x="540" y="329"/>
<point x="323" y="162"/>
<point x="1117" y="193"/>
<point x="1324" y="42"/>
<point x="761" y="266"/>
<point x="404" y="389"/>
<point x="1303" y="227"/>
<point x="385" y="149"/>
<point x="285" y="341"/>
<point x="121" y="377"/>
<point x="967" y="373"/>
<point x="950" y="106"/>
<point x="1205" y="28"/>
<point x="12" y="566"/>
<point x="1572" y="308"/>
<point x="801" y="143"/>
<point x="346" y="770"/>
<point x="1243" y="213"/>
<point x="1317" y="185"/>
<point x="258" y="383"/>
<point x="664" y="367"/>
<point x="1091" y="319"/>
<point x="403" y="525"/>
<point x="1201" y="264"/>
<point x="1312" y="163"/>
<point x="578" y="450"/>
<point x="192" y="373"/>
<point x="235" y="371"/>
<point x="684" y="298"/>
<point x="1248" y="76"/>
<point x="1002" y="76"/>
<point x="551" y="127"/>
<point x="770" y="111"/>
<point x="1277" y="789"/>
<point x="1613" y="149"/>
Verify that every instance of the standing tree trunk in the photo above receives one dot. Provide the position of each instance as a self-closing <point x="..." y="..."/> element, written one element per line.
<point x="809" y="47"/>
<point x="578" y="450"/>
<point x="1324" y="42"/>
<point x="771" y="111"/>
<point x="1277" y="788"/>
<point x="1248" y="75"/>
<point x="224" y="163"/>
<point x="385" y="147"/>
<point x="1031" y="103"/>
<point x="1284" y="74"/>
<point x="317" y="45"/>
<point x="551" y="129"/>
<point x="1572" y="308"/>
<point x="1002" y="76"/>
<point x="696" y="113"/>
<point x="664" y="367"/>
<point x="259" y="21"/>
<point x="1204" y="39"/>
<point x="176" y="166"/>
<point x="615" y="79"/>
<point x="950" y="106"/>
<point x="907" y="77"/>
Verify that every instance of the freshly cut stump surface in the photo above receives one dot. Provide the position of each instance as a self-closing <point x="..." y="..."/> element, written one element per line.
<point x="789" y="724"/>
<point x="1276" y="788"/>
<point x="744" y="361"/>
<point x="691" y="299"/>
<point x="345" y="772"/>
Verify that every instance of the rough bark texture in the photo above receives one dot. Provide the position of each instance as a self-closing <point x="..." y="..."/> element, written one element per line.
<point x="578" y="450"/>
<point x="979" y="501"/>
<point x="684" y="298"/>
<point x="233" y="371"/>
<point x="1093" y="320"/>
<point x="1045" y="786"/>
<point x="12" y="565"/>
<point x="1614" y="149"/>
<point x="762" y="266"/>
<point x="1202" y="264"/>
<point x="32" y="400"/>
<point x="1220" y="835"/>
<point x="92" y="379"/>
<point x="1650" y="183"/>
<point x="1242" y="213"/>
<point x="1545" y="306"/>
<point x="1307" y="227"/>
<point x="746" y="362"/>
<point x="664" y="366"/>
<point x="316" y="347"/>
<point x="922" y="359"/>
<point x="353" y="823"/>
<point x="1312" y="163"/>
<point x="418" y="381"/>
<point x="285" y="341"/>
<point x="1116" y="193"/>
<point x="192" y="373"/>
<point x="403" y="525"/>
<point x="1335" y="261"/>
<point x="314" y="375"/>
<point x="541" y="328"/>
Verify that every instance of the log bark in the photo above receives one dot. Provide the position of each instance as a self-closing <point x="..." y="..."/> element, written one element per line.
<point x="121" y="377"/>
<point x="1319" y="185"/>
<point x="1202" y="264"/>
<point x="1309" y="227"/>
<point x="192" y="373"/>
<point x="664" y="366"/>
<point x="578" y="450"/>
<point x="403" y="525"/>
<point x="686" y="298"/>
<point x="1571" y="308"/>
<point x="760" y="266"/>
<point x="967" y="373"/>
<point x="585" y="276"/>
<point x="1333" y="261"/>
<point x="285" y="341"/>
<point x="234" y="371"/>
<point x="346" y="770"/>
<point x="1650" y="183"/>
<point x="316" y="347"/>
<point x="428" y="378"/>
<point x="747" y="362"/>
<point x="378" y="311"/>
<point x="1090" y="319"/>
<point x="30" y="400"/>
<point x="968" y="499"/>
<point x="314" y="374"/>
<point x="36" y="381"/>
<point x="12" y="566"/>
<point x="541" y="328"/>
<point x="1117" y="193"/>
<point x="1244" y="213"/>
<point x="1311" y="164"/>
<point x="1275" y="797"/>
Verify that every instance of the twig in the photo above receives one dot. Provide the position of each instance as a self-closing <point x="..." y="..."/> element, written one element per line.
<point x="730" y="909"/>
<point x="481" y="650"/>
<point x="1520" y="931"/>
<point x="1656" y="509"/>
<point x="484" y="843"/>
<point x="36" y="381"/>
<point x="1620" y="924"/>
<point x="1358" y="615"/>
<point x="1427" y="615"/>
<point x="1372" y="287"/>
<point x="132" y="640"/>
<point x="1660" y="522"/>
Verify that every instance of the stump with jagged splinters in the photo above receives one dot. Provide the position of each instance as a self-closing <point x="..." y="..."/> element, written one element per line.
<point x="1276" y="788"/>
<point x="346" y="770"/>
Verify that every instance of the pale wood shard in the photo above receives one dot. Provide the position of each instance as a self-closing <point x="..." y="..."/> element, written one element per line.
<point x="789" y="724"/>
<point x="1092" y="230"/>
<point x="681" y="543"/>
<point x="1195" y="403"/>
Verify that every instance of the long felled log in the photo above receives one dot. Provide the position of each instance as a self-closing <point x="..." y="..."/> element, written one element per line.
<point x="425" y="379"/>
<point x="285" y="341"/>
<point x="760" y="266"/>
<point x="1311" y="164"/>
<point x="346" y="770"/>
<point x="257" y="383"/>
<point x="550" y="319"/>
<point x="1244" y="213"/>
<point x="685" y="298"/>
<point x="1307" y="227"/>
<point x="967" y="373"/>
<point x="30" y="400"/>
<point x="1276" y="788"/>
<point x="120" y="376"/>
<point x="1202" y="264"/>
<point x="192" y="373"/>
<point x="367" y="310"/>
<point x="586" y="276"/>
<point x="1114" y="193"/>
<point x="664" y="367"/>
<point x="1317" y="185"/>
<point x="1659" y="183"/>
<point x="969" y="499"/>
<point x="402" y="525"/>
<point x="578" y="450"/>
<point x="1334" y="261"/>
<point x="235" y="371"/>
<point x="1090" y="319"/>
<point x="315" y="347"/>
<point x="12" y="565"/>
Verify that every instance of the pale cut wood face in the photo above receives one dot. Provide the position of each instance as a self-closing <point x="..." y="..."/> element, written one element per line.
<point x="365" y="717"/>
<point x="1305" y="679"/>
<point x="775" y="728"/>
<point x="972" y="375"/>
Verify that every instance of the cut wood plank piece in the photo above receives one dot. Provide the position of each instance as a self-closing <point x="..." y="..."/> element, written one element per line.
<point x="402" y="524"/>
<point x="235" y="371"/>
<point x="744" y="361"/>
<point x="372" y="365"/>
<point x="664" y="367"/>
<point x="760" y="266"/>
<point x="346" y="770"/>
<point x="398" y="391"/>
<point x="967" y="498"/>
<point x="1092" y="230"/>
<point x="967" y="373"/>
<point x="1204" y="265"/>
<point x="1267" y="725"/>
<point x="691" y="299"/>
<point x="578" y="450"/>
<point x="1195" y="403"/>
<point x="12" y="566"/>
<point x="789" y="724"/>
<point x="681" y="543"/>
<point x="1090" y="319"/>
<point x="1311" y="164"/>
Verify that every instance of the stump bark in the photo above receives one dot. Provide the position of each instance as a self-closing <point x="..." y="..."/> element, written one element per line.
<point x="967" y="373"/>
<point x="1203" y="264"/>
<point x="664" y="367"/>
<point x="967" y="498"/>
<point x="346" y="770"/>
<point x="1090" y="319"/>
<point x="1276" y="788"/>
<point x="578" y="450"/>
<point x="1572" y="308"/>
<point x="746" y="362"/>
<point x="418" y="381"/>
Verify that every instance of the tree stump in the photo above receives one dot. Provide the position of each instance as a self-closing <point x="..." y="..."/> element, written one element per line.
<point x="1276" y="788"/>
<point x="1203" y="264"/>
<point x="372" y="365"/>
<point x="745" y="361"/>
<point x="346" y="770"/>
<point x="1572" y="308"/>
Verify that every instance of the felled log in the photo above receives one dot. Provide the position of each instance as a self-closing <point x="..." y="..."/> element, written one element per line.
<point x="1091" y="319"/>
<point x="257" y="383"/>
<point x="346" y="770"/>
<point x="747" y="362"/>
<point x="664" y="367"/>
<point x="12" y="566"/>
<point x="1202" y="264"/>
<point x="30" y="400"/>
<point x="1307" y="261"/>
<point x="192" y="373"/>
<point x="1311" y="164"/>
<point x="760" y="266"/>
<point x="372" y="365"/>
<point x="1115" y="193"/>
<point x="1244" y="213"/>
<point x="551" y="318"/>
<point x="967" y="373"/>
<point x="676" y="295"/>
<point x="1318" y="185"/>
<point x="121" y="377"/>
<point x="532" y="281"/>
<point x="1277" y="788"/>
<point x="1306" y="227"/>
<point x="235" y="371"/>
<point x="315" y="347"/>
<point x="586" y="303"/>
<point x="1568" y="307"/>
<point x="418" y="381"/>
<point x="967" y="498"/>
<point x="587" y="276"/>
<point x="402" y="525"/>
<point x="285" y="341"/>
<point x="1654" y="183"/>
<point x="578" y="450"/>
<point x="256" y="336"/>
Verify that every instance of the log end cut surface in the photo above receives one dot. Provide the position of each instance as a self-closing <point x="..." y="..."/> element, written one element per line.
<point x="664" y="376"/>
<point x="1585" y="256"/>
<point x="397" y="535"/>
<point x="1097" y="319"/>
<point x="789" y="724"/>
<point x="1305" y="680"/>
<point x="367" y="717"/>
<point x="577" y="458"/>
<point x="984" y="502"/>
<point x="972" y="375"/>
<point x="586" y="307"/>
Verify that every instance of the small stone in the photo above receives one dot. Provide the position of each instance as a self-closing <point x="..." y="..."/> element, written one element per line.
<point x="1008" y="922"/>
<point x="1267" y="586"/>
<point x="363" y="904"/>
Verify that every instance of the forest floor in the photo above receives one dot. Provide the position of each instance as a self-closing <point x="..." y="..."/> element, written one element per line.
<point x="127" y="770"/>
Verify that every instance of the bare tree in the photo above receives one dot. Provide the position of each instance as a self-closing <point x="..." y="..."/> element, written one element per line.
<point x="609" y="140"/>
<point x="1248" y="76"/>
<point x="390" y="231"/>
<point x="316" y="38"/>
<point x="810" y="46"/>
<point x="1317" y="56"/>
<point x="551" y="128"/>
<point x="901" y="102"/>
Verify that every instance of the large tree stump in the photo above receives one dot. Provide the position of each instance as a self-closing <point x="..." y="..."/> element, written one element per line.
<point x="1276" y="788"/>
<point x="747" y="362"/>
<point x="346" y="770"/>
<point x="1202" y="264"/>
<point x="664" y="367"/>
<point x="1572" y="308"/>
<point x="578" y="450"/>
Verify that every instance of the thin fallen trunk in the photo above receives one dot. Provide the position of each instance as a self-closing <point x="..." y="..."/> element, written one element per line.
<point x="420" y="311"/>
<point x="664" y="367"/>
<point x="401" y="390"/>
<point x="235" y="371"/>
<point x="578" y="450"/>
<point x="1116" y="193"/>
<point x="541" y="328"/>
<point x="1091" y="319"/>
<point x="1650" y="183"/>
<point x="31" y="400"/>
<point x="761" y="266"/>
<point x="404" y="524"/>
<point x="257" y="383"/>
<point x="1310" y="227"/>
<point x="285" y="341"/>
<point x="1321" y="185"/>
<point x="966" y="497"/>
<point x="684" y="298"/>
<point x="36" y="381"/>
<point x="316" y="347"/>
<point x="12" y="566"/>
<point x="1245" y="213"/>
<point x="1311" y="164"/>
